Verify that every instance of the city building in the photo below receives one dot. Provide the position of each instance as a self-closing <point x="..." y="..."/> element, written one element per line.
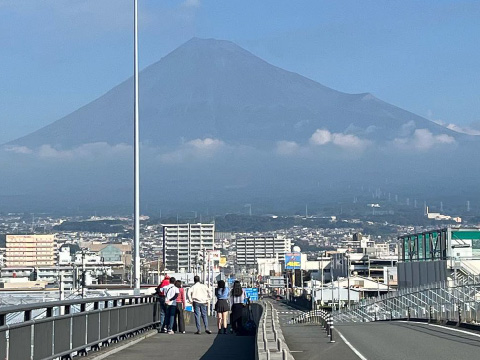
<point x="251" y="248"/>
<point x="30" y="250"/>
<point x="182" y="244"/>
<point x="111" y="252"/>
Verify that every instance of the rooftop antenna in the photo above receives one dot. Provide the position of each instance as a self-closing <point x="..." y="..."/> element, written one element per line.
<point x="136" y="156"/>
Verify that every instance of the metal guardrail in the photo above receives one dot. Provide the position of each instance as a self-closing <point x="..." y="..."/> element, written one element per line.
<point x="73" y="327"/>
<point x="438" y="302"/>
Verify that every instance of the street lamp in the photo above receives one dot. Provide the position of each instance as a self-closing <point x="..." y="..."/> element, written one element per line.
<point x="347" y="254"/>
<point x="136" y="151"/>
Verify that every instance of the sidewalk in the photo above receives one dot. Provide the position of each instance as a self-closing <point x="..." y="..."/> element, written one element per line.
<point x="190" y="346"/>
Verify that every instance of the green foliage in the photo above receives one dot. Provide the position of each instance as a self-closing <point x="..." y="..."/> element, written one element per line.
<point x="100" y="226"/>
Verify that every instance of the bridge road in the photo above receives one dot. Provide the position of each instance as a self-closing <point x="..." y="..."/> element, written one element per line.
<point x="187" y="346"/>
<point x="410" y="341"/>
<point x="309" y="341"/>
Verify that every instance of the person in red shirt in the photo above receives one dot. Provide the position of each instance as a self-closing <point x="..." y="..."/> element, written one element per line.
<point x="181" y="304"/>
<point x="161" y="300"/>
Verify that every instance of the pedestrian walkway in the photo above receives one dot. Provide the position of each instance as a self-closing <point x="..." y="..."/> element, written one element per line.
<point x="190" y="346"/>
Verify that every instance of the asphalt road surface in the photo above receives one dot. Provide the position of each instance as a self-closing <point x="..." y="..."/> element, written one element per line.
<point x="410" y="341"/>
<point x="396" y="340"/>
<point x="308" y="341"/>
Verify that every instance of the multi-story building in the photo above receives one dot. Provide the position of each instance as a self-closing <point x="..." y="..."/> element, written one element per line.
<point x="182" y="244"/>
<point x="30" y="250"/>
<point x="250" y="248"/>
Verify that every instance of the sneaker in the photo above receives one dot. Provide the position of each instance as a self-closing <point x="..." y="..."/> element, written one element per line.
<point x="183" y="332"/>
<point x="170" y="332"/>
<point x="208" y="331"/>
<point x="224" y="331"/>
<point x="219" y="331"/>
<point x="198" y="333"/>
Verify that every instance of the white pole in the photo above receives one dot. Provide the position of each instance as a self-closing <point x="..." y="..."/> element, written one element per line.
<point x="321" y="289"/>
<point x="136" y="240"/>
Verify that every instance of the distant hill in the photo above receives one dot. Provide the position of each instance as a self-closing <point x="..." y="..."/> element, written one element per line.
<point x="220" y="128"/>
<point x="215" y="89"/>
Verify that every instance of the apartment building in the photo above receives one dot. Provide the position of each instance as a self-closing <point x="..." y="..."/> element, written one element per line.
<point x="30" y="250"/>
<point x="250" y="248"/>
<point x="183" y="242"/>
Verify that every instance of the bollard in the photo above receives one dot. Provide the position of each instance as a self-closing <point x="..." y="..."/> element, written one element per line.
<point x="268" y="355"/>
<point x="279" y="345"/>
<point x="285" y="354"/>
<point x="331" y="329"/>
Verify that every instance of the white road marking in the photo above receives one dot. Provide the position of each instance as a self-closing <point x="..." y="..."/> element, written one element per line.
<point x="457" y="330"/>
<point x="351" y="347"/>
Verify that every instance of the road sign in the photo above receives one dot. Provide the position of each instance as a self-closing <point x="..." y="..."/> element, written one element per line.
<point x="252" y="293"/>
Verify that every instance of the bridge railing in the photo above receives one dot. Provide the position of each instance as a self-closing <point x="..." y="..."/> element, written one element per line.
<point x="437" y="302"/>
<point x="61" y="329"/>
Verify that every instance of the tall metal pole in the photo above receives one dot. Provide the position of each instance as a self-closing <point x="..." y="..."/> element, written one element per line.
<point x="348" y="280"/>
<point x="321" y="289"/>
<point x="136" y="240"/>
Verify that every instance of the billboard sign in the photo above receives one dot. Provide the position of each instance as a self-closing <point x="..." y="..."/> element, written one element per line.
<point x="252" y="293"/>
<point x="293" y="260"/>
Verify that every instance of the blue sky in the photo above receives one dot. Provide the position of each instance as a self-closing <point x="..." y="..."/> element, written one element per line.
<point x="423" y="56"/>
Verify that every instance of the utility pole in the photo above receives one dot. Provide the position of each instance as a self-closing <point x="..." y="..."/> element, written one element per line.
<point x="331" y="282"/>
<point x="348" y="280"/>
<point x="136" y="216"/>
<point x="203" y="265"/>
<point x="83" y="274"/>
<point x="321" y="277"/>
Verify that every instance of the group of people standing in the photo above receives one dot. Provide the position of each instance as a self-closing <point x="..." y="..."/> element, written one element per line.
<point x="172" y="299"/>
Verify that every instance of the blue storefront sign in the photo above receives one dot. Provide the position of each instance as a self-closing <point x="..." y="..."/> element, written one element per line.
<point x="252" y="293"/>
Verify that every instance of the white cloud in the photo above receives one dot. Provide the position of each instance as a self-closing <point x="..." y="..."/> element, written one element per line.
<point x="454" y="127"/>
<point x="323" y="137"/>
<point x="407" y="129"/>
<point x="348" y="140"/>
<point x="194" y="149"/>
<point x="18" y="149"/>
<point x="423" y="139"/>
<point x="85" y="151"/>
<point x="287" y="147"/>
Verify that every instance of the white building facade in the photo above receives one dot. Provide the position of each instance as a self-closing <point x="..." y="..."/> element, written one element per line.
<point x="183" y="242"/>
<point x="251" y="248"/>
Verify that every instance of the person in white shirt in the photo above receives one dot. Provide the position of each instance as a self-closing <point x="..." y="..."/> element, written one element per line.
<point x="237" y="299"/>
<point x="171" y="292"/>
<point x="200" y="295"/>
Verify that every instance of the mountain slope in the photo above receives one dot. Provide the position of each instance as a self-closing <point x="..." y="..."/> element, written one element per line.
<point x="212" y="88"/>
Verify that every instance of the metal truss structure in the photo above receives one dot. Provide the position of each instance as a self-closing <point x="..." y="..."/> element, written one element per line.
<point x="437" y="302"/>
